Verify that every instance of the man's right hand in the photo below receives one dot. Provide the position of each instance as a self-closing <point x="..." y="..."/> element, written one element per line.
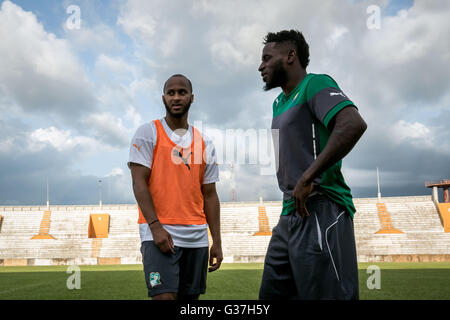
<point x="162" y="238"/>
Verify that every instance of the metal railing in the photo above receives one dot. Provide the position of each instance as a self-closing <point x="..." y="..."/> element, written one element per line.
<point x="437" y="183"/>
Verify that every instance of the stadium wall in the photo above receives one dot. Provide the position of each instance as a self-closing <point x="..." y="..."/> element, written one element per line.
<point x="65" y="234"/>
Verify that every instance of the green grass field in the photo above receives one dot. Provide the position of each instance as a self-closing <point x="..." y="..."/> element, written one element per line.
<point x="399" y="281"/>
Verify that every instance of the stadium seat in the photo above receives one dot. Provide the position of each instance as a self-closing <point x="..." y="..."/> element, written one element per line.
<point x="444" y="211"/>
<point x="98" y="225"/>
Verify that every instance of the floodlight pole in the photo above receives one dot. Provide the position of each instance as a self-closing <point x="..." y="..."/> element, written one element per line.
<point x="48" y="198"/>
<point x="378" y="183"/>
<point x="100" y="193"/>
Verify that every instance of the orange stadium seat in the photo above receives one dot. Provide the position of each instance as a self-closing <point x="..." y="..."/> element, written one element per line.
<point x="98" y="225"/>
<point x="444" y="211"/>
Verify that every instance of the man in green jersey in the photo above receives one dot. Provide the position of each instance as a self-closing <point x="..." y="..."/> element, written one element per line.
<point x="312" y="253"/>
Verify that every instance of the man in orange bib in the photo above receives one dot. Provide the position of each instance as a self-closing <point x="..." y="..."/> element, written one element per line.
<point x="174" y="171"/>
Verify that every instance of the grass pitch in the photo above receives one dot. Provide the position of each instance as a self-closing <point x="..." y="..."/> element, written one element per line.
<point x="399" y="281"/>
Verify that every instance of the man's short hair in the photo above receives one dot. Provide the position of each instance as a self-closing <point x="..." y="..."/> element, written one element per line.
<point x="296" y="38"/>
<point x="178" y="75"/>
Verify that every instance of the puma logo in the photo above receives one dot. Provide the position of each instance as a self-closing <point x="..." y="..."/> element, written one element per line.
<point x="139" y="149"/>
<point x="336" y="94"/>
<point x="178" y="154"/>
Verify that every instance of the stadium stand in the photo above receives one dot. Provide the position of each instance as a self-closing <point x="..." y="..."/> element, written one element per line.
<point x="239" y="217"/>
<point x="20" y="222"/>
<point x="245" y="226"/>
<point x="69" y="222"/>
<point x="417" y="216"/>
<point x="423" y="237"/>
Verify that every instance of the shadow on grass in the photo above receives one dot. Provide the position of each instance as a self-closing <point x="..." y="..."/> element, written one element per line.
<point x="396" y="284"/>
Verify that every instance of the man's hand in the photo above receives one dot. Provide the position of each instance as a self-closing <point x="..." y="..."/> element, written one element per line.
<point x="301" y="192"/>
<point x="162" y="238"/>
<point x="215" y="253"/>
<point x="212" y="213"/>
<point x="346" y="128"/>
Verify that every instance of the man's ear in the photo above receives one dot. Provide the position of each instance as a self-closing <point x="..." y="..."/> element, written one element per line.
<point x="292" y="54"/>
<point x="163" y="100"/>
<point x="192" y="98"/>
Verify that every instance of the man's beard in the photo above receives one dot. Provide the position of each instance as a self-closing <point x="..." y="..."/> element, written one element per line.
<point x="180" y="114"/>
<point x="278" y="79"/>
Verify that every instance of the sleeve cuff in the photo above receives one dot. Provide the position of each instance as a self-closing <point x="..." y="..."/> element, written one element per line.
<point x="142" y="163"/>
<point x="211" y="180"/>
<point x="335" y="110"/>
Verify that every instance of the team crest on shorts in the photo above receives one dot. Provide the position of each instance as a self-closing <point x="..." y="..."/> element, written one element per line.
<point x="155" y="279"/>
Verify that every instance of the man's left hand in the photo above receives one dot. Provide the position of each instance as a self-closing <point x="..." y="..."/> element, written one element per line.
<point x="301" y="192"/>
<point x="215" y="253"/>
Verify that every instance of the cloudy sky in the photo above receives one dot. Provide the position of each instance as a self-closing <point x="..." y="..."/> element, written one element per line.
<point x="78" y="77"/>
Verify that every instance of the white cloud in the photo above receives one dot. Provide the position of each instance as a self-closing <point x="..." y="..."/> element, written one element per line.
<point x="414" y="130"/>
<point x="6" y="144"/>
<point x="38" y="70"/>
<point x="405" y="58"/>
<point x="152" y="23"/>
<point x="139" y="23"/>
<point x="133" y="116"/>
<point x="108" y="128"/>
<point x="99" y="38"/>
<point x="336" y="37"/>
<point x="115" y="65"/>
<point x="115" y="172"/>
<point x="117" y="187"/>
<point x="236" y="47"/>
<point x="144" y="85"/>
<point x="410" y="35"/>
<point x="395" y="75"/>
<point x="170" y="41"/>
<point x="61" y="140"/>
<point x="414" y="133"/>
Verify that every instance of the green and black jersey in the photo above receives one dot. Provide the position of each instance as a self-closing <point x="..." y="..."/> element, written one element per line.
<point x="302" y="118"/>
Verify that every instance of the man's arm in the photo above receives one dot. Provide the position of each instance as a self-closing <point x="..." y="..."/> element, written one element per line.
<point x="140" y="176"/>
<point x="347" y="127"/>
<point x="212" y="212"/>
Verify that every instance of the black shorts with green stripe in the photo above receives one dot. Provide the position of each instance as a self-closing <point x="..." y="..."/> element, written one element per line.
<point x="183" y="272"/>
<point x="312" y="257"/>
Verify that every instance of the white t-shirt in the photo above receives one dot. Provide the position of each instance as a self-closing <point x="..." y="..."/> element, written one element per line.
<point x="188" y="236"/>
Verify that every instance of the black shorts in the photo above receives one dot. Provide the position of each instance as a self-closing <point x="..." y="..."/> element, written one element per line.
<point x="312" y="257"/>
<point x="183" y="272"/>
